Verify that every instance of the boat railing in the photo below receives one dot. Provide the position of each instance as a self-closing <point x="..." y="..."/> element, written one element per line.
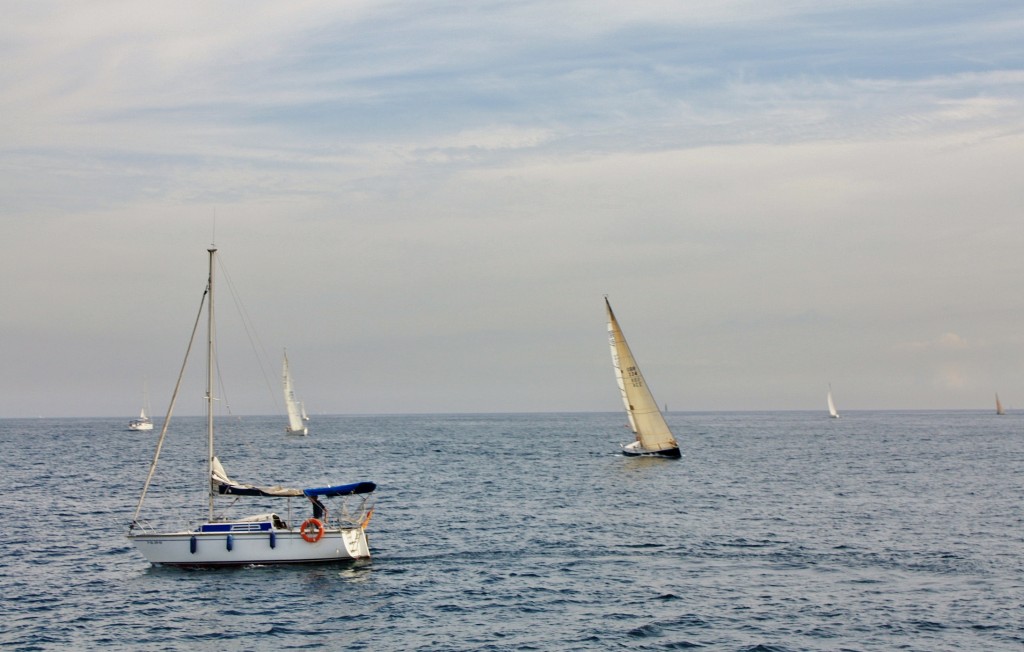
<point x="345" y="516"/>
<point x="340" y="515"/>
<point x="140" y="526"/>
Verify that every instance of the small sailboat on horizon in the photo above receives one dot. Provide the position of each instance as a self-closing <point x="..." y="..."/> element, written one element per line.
<point x="999" y="406"/>
<point x="653" y="436"/>
<point x="143" y="422"/>
<point x="296" y="412"/>
<point x="832" y="412"/>
<point x="327" y="535"/>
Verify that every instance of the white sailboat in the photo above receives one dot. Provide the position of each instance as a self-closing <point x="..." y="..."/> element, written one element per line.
<point x="653" y="437"/>
<point x="831" y="404"/>
<point x="999" y="406"/>
<point x="295" y="409"/>
<point x="335" y="534"/>
<point x="143" y="422"/>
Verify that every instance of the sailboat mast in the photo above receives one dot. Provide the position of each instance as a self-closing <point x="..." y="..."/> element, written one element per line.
<point x="209" y="379"/>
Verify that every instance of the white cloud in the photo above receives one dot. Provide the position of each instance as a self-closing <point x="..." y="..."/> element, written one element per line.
<point x="951" y="378"/>
<point x="944" y="342"/>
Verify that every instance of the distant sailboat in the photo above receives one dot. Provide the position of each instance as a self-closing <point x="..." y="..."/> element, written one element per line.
<point x="296" y="426"/>
<point x="831" y="405"/>
<point x="999" y="406"/>
<point x="653" y="437"/>
<point x="143" y="422"/>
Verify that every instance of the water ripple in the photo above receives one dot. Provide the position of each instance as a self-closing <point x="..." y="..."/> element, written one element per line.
<point x="776" y="532"/>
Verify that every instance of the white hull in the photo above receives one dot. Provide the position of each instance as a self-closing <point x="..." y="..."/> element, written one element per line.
<point x="140" y="425"/>
<point x="211" y="548"/>
<point x="300" y="431"/>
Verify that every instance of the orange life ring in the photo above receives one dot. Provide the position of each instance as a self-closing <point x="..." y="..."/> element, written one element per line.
<point x="309" y="524"/>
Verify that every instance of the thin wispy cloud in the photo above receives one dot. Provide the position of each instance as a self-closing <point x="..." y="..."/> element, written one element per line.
<point x="944" y="342"/>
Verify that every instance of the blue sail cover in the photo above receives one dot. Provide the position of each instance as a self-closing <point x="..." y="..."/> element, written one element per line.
<point x="224" y="485"/>
<point x="341" y="490"/>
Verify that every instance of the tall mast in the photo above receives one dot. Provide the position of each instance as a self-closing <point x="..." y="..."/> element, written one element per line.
<point x="209" y="378"/>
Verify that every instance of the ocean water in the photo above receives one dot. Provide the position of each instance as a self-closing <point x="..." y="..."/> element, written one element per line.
<point x="776" y="531"/>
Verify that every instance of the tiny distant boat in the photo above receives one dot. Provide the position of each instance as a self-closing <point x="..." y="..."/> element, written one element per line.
<point x="653" y="437"/>
<point x="296" y="417"/>
<point x="999" y="406"/>
<point x="143" y="422"/>
<point x="330" y="534"/>
<point x="832" y="405"/>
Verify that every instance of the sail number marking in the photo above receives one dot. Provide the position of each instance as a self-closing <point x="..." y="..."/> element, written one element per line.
<point x="634" y="377"/>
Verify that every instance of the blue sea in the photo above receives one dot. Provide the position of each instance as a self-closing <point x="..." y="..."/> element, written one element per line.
<point x="776" y="531"/>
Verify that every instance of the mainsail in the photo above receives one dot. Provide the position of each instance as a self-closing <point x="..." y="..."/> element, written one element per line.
<point x="999" y="406"/>
<point x="295" y="424"/>
<point x="642" y="410"/>
<point x="831" y="405"/>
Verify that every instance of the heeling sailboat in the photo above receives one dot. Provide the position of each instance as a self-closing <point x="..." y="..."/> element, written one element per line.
<point x="295" y="409"/>
<point x="999" y="406"/>
<point x="336" y="534"/>
<point x="653" y="436"/>
<point x="831" y="404"/>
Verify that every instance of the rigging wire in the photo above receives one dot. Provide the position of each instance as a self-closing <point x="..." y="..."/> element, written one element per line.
<point x="259" y="351"/>
<point x="255" y="343"/>
<point x="257" y="347"/>
<point x="170" y="408"/>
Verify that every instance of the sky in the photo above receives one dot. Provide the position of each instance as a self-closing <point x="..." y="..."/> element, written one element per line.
<point x="426" y="203"/>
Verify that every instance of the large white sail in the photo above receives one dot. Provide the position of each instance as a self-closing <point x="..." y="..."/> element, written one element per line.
<point x="642" y="410"/>
<point x="831" y="405"/>
<point x="295" y="424"/>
